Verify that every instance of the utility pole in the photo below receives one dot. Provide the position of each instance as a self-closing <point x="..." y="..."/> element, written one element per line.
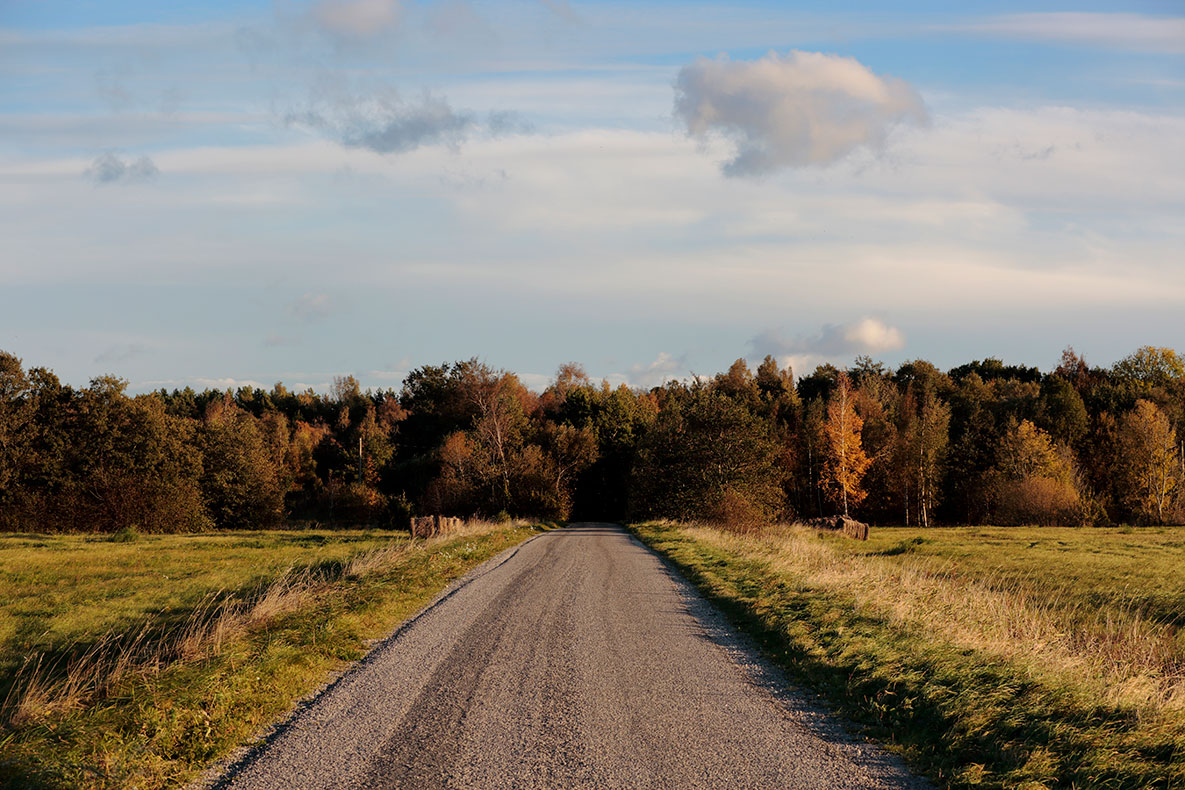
<point x="360" y="458"/>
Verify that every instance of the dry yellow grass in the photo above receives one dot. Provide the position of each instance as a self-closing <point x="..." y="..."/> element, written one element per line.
<point x="1118" y="655"/>
<point x="992" y="658"/>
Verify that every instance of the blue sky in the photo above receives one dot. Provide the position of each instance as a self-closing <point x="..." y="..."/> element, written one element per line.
<point x="219" y="193"/>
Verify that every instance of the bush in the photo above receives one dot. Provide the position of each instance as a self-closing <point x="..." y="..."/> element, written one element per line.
<point x="734" y="512"/>
<point x="358" y="503"/>
<point x="1041" y="501"/>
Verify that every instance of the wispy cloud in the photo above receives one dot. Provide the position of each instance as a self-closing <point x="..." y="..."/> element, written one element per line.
<point x="388" y="124"/>
<point x="108" y="168"/>
<point x="1138" y="32"/>
<point x="793" y="110"/>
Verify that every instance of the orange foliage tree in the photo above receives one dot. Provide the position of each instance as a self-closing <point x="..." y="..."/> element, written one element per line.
<point x="846" y="460"/>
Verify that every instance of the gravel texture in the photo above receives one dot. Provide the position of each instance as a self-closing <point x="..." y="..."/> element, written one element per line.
<point x="578" y="659"/>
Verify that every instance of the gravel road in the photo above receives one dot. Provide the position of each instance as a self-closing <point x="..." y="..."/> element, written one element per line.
<point x="578" y="659"/>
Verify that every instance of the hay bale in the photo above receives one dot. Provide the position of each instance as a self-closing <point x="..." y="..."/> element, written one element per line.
<point x="428" y="526"/>
<point x="423" y="526"/>
<point x="857" y="530"/>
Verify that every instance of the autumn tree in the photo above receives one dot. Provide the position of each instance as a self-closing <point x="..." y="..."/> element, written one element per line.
<point x="1037" y="481"/>
<point x="846" y="461"/>
<point x="497" y="399"/>
<point x="1151" y="366"/>
<point x="1150" y="462"/>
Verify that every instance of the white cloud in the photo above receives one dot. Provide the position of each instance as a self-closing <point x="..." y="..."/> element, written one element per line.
<point x="535" y="382"/>
<point x="873" y="336"/>
<point x="652" y="374"/>
<point x="803" y="108"/>
<point x="865" y="336"/>
<point x="1138" y="32"/>
<point x="836" y="343"/>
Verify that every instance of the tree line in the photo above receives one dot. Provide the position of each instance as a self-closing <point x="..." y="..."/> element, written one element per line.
<point x="984" y="443"/>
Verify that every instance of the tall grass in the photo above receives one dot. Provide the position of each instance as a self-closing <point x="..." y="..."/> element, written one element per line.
<point x="150" y="704"/>
<point x="56" y="681"/>
<point x="1022" y="658"/>
<point x="1117" y="654"/>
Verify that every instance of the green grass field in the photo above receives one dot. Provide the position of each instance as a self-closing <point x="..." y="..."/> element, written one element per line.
<point x="136" y="664"/>
<point x="62" y="589"/>
<point x="989" y="657"/>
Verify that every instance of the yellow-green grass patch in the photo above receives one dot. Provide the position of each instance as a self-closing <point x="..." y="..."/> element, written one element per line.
<point x="223" y="670"/>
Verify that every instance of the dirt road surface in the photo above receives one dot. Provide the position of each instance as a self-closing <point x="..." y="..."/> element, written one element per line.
<point x="578" y="659"/>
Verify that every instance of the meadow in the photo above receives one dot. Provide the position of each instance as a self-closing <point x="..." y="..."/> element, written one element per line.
<point x="989" y="657"/>
<point x="137" y="660"/>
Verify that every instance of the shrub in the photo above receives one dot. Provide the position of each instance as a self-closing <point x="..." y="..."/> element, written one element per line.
<point x="1042" y="501"/>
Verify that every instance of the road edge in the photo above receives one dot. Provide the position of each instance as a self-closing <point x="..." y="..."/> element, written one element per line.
<point x="219" y="773"/>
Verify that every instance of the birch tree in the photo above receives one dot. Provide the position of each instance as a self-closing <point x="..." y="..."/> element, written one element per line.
<point x="1150" y="461"/>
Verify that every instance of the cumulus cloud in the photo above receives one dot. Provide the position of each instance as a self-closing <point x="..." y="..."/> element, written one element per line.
<point x="109" y="168"/>
<point x="357" y="19"/>
<point x="833" y="341"/>
<point x="1139" y="32"/>
<point x="793" y="110"/>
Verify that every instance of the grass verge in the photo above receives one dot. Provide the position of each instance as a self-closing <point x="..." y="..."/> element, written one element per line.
<point x="165" y="690"/>
<point x="983" y="663"/>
